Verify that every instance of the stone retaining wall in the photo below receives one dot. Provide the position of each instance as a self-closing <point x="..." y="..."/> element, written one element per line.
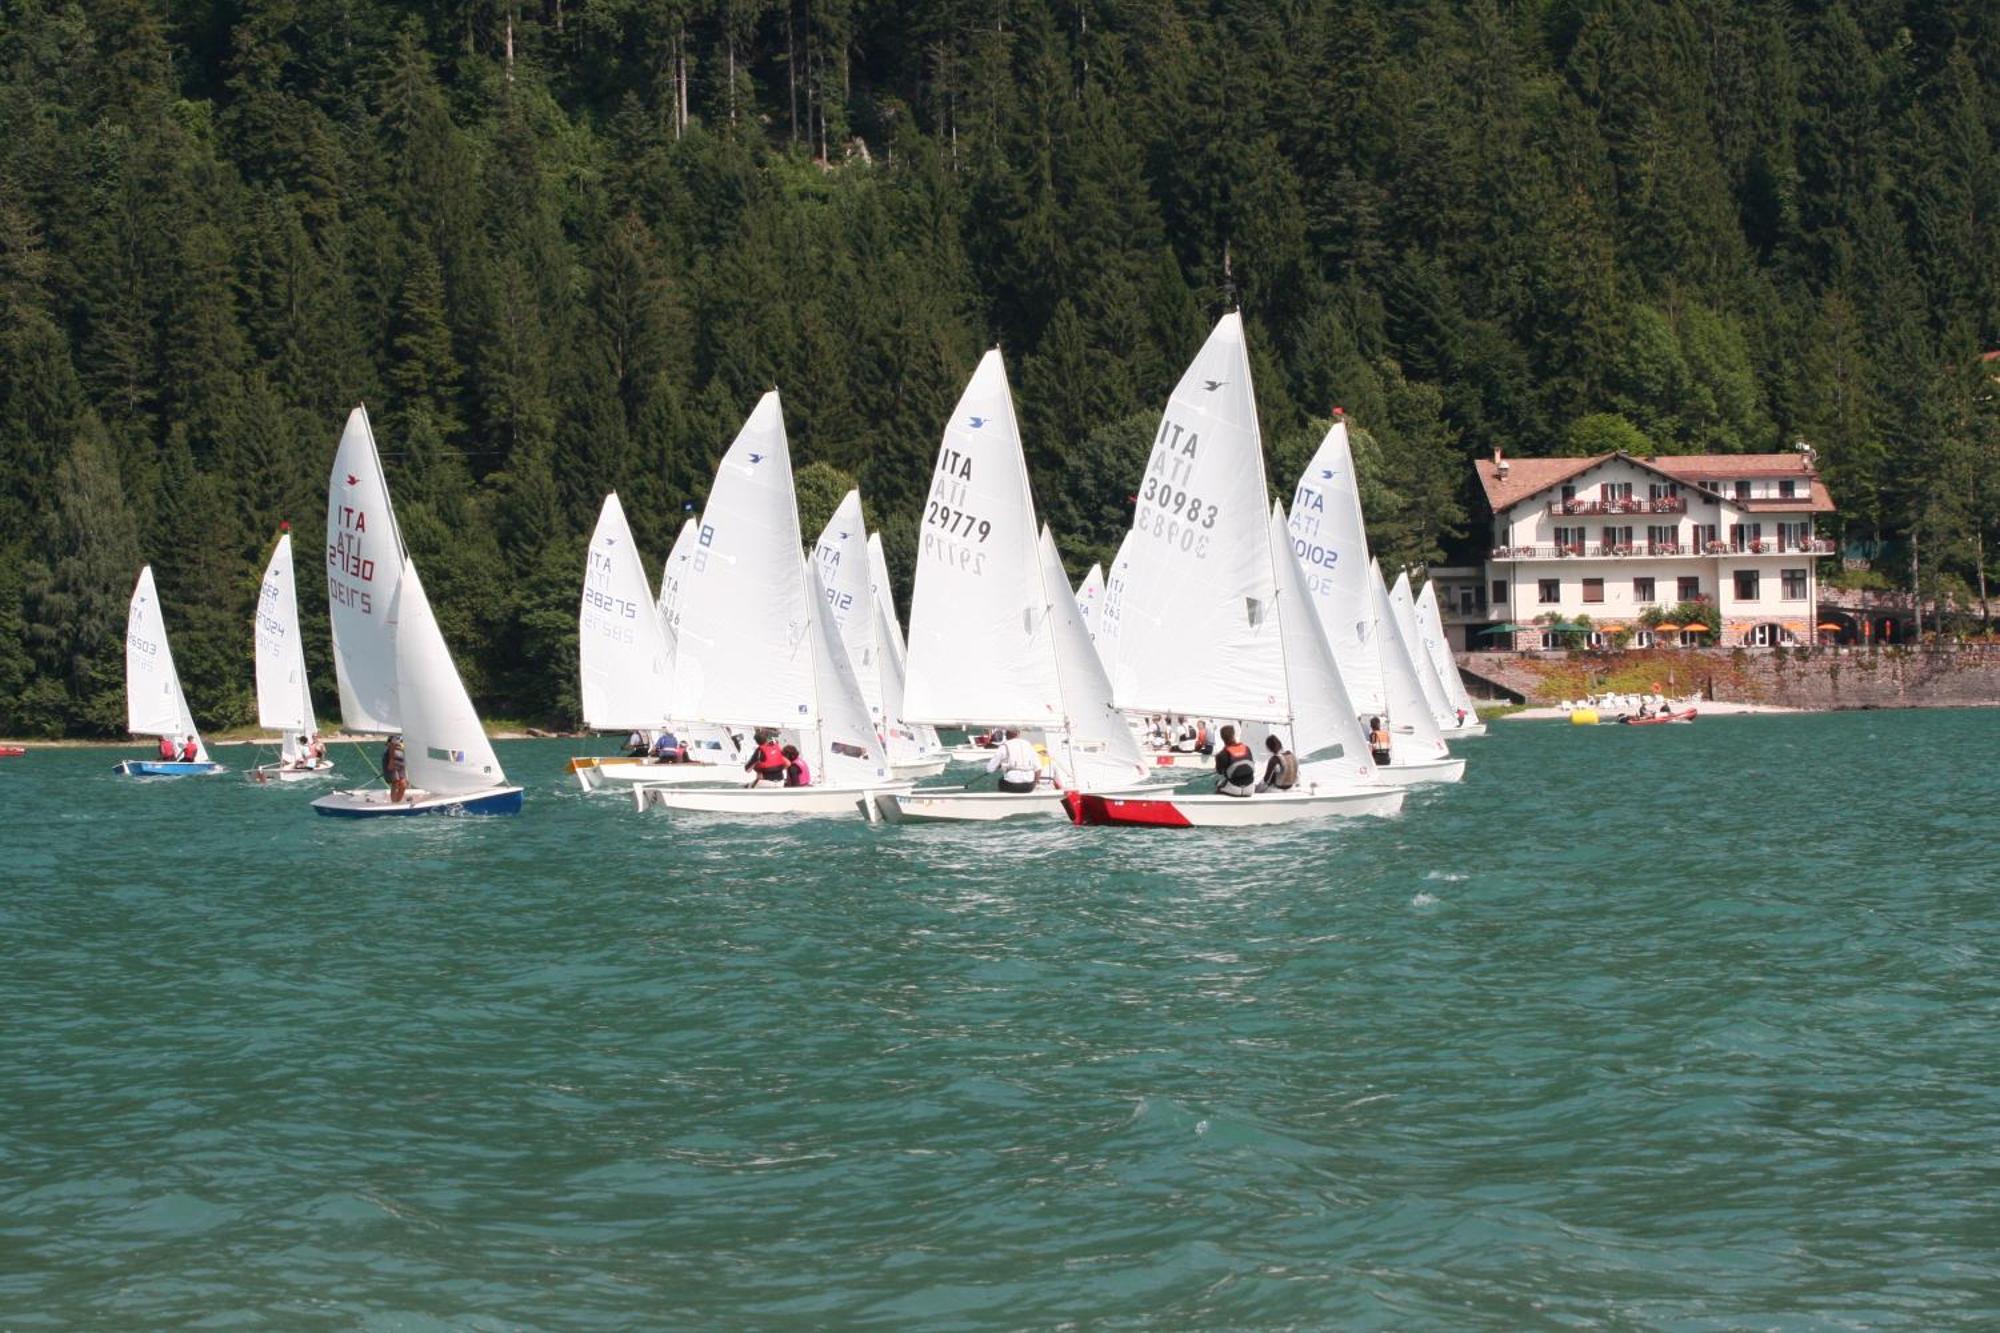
<point x="1931" y="677"/>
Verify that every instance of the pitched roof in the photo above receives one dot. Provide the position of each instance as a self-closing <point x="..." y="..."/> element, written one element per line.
<point x="1527" y="476"/>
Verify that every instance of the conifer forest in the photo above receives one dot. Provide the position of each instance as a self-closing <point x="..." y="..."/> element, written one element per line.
<point x="559" y="247"/>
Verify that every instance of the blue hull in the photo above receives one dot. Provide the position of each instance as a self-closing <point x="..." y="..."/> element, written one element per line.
<point x="158" y="768"/>
<point x="346" y="805"/>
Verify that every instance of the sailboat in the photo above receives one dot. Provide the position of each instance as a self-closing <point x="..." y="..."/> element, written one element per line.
<point x="154" y="703"/>
<point x="1430" y="628"/>
<point x="394" y="671"/>
<point x="755" y="646"/>
<point x="1212" y="567"/>
<point x="1403" y="606"/>
<point x="895" y="653"/>
<point x="284" y="702"/>
<point x="625" y="664"/>
<point x="855" y="613"/>
<point x="1330" y="542"/>
<point x="995" y="632"/>
<point x="1089" y="596"/>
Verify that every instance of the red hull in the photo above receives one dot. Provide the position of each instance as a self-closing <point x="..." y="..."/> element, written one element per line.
<point x="1085" y="808"/>
<point x="11" y="751"/>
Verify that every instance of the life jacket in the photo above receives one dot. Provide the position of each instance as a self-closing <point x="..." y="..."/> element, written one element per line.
<point x="1288" y="771"/>
<point x="167" y="750"/>
<point x="1201" y="736"/>
<point x="1242" y="769"/>
<point x="188" y="752"/>
<point x="1379" y="739"/>
<point x="798" y="775"/>
<point x="770" y="755"/>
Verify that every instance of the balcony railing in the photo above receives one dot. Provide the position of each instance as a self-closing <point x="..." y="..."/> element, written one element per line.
<point x="1602" y="551"/>
<point x="1666" y="504"/>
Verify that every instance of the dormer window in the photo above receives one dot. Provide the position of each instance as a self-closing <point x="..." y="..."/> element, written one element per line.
<point x="1742" y="490"/>
<point x="1788" y="490"/>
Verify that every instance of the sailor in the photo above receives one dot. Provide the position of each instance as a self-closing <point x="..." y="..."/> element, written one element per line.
<point x="304" y="760"/>
<point x="796" y="772"/>
<point x="189" y="749"/>
<point x="1281" y="770"/>
<point x="635" y="744"/>
<point x="168" y="750"/>
<point x="395" y="771"/>
<point x="768" y="760"/>
<point x="317" y="750"/>
<point x="667" y="749"/>
<point x="1378" y="741"/>
<point x="1202" y="743"/>
<point x="1234" y="766"/>
<point x="1187" y="738"/>
<point x="1016" y="762"/>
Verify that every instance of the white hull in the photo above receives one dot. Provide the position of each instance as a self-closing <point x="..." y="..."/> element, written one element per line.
<point x="757" y="801"/>
<point x="1247" y="811"/>
<point x="981" y="807"/>
<point x="374" y="803"/>
<point x="1411" y="775"/>
<point x="598" y="776"/>
<point x="282" y="772"/>
<point x="1466" y="732"/>
<point x="919" y="768"/>
<point x="971" y="754"/>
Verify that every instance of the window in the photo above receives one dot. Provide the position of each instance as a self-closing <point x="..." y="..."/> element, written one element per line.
<point x="1569" y="537"/>
<point x="1551" y="590"/>
<point x="1746" y="585"/>
<point x="1660" y="538"/>
<point x="1499" y="592"/>
<point x="1642" y="590"/>
<point x="1615" y="490"/>
<point x="1689" y="590"/>
<point x="1617" y="537"/>
<point x="1742" y="490"/>
<point x="1569" y="493"/>
<point x="1664" y="490"/>
<point x="1593" y="590"/>
<point x="1704" y="537"/>
<point x="1795" y="585"/>
<point x="1788" y="490"/>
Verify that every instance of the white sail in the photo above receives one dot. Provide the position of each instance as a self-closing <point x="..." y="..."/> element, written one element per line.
<point x="154" y="704"/>
<point x="1330" y="541"/>
<point x="624" y="665"/>
<point x="842" y="555"/>
<point x="1094" y="747"/>
<point x="920" y="737"/>
<point x="674" y="573"/>
<point x="284" y="701"/>
<point x="850" y="753"/>
<point x="1196" y="631"/>
<point x="1414" y="728"/>
<point x="1325" y="735"/>
<point x="446" y="749"/>
<point x="743" y="654"/>
<point x="878" y="587"/>
<point x="979" y="635"/>
<point x="1089" y="597"/>
<point x="1110" y="613"/>
<point x="1401" y="603"/>
<point x="364" y="564"/>
<point x="1430" y="626"/>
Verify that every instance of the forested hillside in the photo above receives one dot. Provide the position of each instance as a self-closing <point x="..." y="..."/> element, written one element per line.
<point x="560" y="248"/>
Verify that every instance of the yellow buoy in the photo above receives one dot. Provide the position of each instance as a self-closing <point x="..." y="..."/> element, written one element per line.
<point x="1583" y="717"/>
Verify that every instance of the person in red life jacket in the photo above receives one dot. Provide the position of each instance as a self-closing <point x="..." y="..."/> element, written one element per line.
<point x="796" y="772"/>
<point x="189" y="750"/>
<point x="1202" y="743"/>
<point x="168" y="753"/>
<point x="768" y="760"/>
<point x="1234" y="766"/>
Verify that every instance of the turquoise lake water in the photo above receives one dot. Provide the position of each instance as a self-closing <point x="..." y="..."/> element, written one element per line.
<point x="1681" y="1026"/>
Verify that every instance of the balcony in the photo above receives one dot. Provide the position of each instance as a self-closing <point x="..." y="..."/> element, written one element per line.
<point x="1666" y="504"/>
<point x="1642" y="550"/>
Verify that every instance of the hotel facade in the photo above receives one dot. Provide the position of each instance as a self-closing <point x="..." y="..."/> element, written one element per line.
<point x="1612" y="536"/>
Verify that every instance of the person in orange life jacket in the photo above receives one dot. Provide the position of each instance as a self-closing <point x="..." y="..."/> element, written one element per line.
<point x="168" y="750"/>
<point x="1281" y="770"/>
<point x="1202" y="742"/>
<point x="189" y="750"/>
<point x="1234" y="766"/>
<point x="796" y="772"/>
<point x="1019" y="769"/>
<point x="1378" y="740"/>
<point x="768" y="760"/>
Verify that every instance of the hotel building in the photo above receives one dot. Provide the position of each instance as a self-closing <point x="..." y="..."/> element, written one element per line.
<point x="1609" y="537"/>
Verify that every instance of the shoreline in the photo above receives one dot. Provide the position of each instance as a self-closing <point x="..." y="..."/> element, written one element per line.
<point x="1703" y="708"/>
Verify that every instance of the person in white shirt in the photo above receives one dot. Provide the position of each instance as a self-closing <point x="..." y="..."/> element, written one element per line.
<point x="1017" y="763"/>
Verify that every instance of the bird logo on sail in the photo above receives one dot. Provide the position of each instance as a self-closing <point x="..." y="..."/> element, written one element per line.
<point x="353" y="480"/>
<point x="1326" y="474"/>
<point x="976" y="422"/>
<point x="756" y="459"/>
<point x="1213" y="385"/>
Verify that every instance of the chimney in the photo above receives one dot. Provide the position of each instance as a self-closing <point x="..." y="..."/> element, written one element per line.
<point x="1499" y="463"/>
